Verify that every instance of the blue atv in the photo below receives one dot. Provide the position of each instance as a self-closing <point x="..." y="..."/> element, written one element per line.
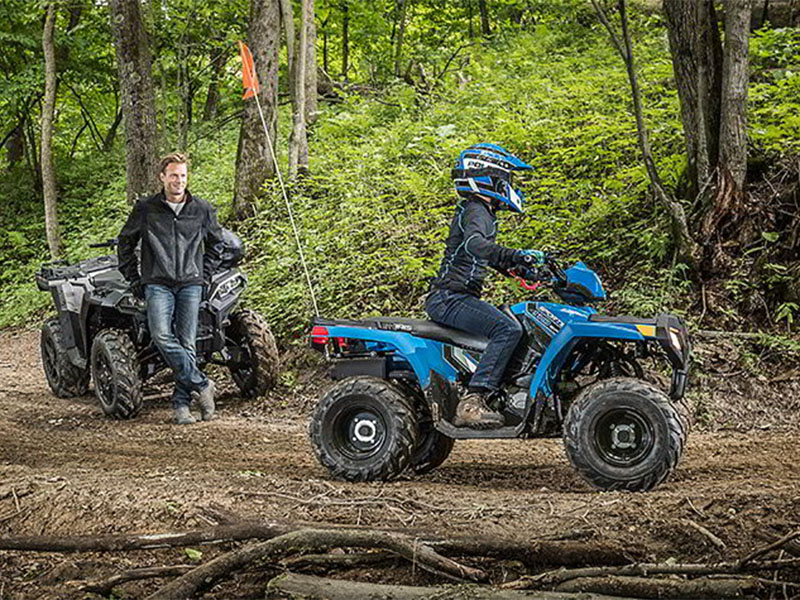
<point x="575" y="374"/>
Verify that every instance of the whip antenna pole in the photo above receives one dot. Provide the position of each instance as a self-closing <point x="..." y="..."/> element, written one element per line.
<point x="288" y="208"/>
<point x="252" y="88"/>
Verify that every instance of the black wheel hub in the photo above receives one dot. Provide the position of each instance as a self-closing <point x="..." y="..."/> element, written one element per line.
<point x="359" y="433"/>
<point x="623" y="437"/>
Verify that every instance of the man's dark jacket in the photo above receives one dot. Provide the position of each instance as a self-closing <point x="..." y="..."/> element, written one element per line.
<point x="177" y="250"/>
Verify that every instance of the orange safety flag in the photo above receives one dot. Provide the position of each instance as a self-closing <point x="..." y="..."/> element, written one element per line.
<point x="249" y="77"/>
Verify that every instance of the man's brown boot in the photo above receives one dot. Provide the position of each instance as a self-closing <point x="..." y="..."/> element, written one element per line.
<point x="205" y="399"/>
<point x="473" y="412"/>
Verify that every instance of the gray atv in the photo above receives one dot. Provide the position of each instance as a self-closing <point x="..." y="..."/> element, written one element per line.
<point x="100" y="332"/>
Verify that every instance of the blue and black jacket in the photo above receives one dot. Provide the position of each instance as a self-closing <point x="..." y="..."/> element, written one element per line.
<point x="470" y="248"/>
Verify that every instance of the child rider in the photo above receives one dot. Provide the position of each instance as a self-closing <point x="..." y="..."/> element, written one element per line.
<point x="482" y="177"/>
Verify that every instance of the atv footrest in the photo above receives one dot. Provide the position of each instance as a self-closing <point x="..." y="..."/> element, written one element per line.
<point x="466" y="433"/>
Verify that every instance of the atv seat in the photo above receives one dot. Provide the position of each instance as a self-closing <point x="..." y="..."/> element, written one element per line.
<point x="419" y="327"/>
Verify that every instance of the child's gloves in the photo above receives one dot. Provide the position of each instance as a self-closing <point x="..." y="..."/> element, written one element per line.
<point x="530" y="258"/>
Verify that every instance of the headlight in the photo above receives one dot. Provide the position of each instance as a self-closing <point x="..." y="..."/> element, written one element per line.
<point x="675" y="340"/>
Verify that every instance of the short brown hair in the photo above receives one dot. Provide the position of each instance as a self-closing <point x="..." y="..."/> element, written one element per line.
<point x="173" y="157"/>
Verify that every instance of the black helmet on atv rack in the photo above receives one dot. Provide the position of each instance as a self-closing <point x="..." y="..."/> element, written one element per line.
<point x="232" y="250"/>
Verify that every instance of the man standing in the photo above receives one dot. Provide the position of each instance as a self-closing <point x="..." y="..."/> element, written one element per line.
<point x="181" y="248"/>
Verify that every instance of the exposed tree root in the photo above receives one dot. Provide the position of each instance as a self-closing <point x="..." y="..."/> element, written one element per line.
<point x="104" y="586"/>
<point x="316" y="540"/>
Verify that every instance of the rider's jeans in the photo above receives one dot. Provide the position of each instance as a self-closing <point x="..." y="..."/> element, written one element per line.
<point x="475" y="316"/>
<point x="172" y="316"/>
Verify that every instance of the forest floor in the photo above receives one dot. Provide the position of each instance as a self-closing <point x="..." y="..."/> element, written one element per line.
<point x="66" y="469"/>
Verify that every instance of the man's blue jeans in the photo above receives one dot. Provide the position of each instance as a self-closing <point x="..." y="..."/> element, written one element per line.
<point x="475" y="316"/>
<point x="172" y="315"/>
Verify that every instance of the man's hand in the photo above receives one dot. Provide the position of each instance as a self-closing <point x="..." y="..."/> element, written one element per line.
<point x="137" y="289"/>
<point x="530" y="258"/>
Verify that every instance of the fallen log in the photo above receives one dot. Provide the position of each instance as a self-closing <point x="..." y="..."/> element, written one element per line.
<point x="307" y="587"/>
<point x="143" y="541"/>
<point x="555" y="553"/>
<point x="105" y="586"/>
<point x="646" y="587"/>
<point x="554" y="578"/>
<point x="567" y="553"/>
<point x="316" y="540"/>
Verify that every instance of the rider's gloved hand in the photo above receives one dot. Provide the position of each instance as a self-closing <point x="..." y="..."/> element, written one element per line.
<point x="529" y="273"/>
<point x="529" y="258"/>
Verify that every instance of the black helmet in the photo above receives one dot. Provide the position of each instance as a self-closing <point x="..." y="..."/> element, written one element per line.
<point x="233" y="249"/>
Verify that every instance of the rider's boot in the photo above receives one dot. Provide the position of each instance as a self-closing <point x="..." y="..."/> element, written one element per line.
<point x="473" y="412"/>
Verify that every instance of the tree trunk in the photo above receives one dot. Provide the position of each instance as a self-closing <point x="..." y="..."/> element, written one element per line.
<point x="184" y="113"/>
<point x="312" y="109"/>
<point x="287" y="18"/>
<point x="218" y="61"/>
<point x="108" y="141"/>
<point x="726" y="206"/>
<point x="138" y="105"/>
<point x="696" y="59"/>
<point x="298" y="140"/>
<point x="733" y="128"/>
<point x="485" y="28"/>
<point x="16" y="144"/>
<point x="48" y="111"/>
<point x="345" y="39"/>
<point x="325" y="65"/>
<point x="469" y="16"/>
<point x="401" y="30"/>
<point x="255" y="163"/>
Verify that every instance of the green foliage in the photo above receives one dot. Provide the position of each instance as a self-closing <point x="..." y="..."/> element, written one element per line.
<point x="374" y="213"/>
<point x="775" y="92"/>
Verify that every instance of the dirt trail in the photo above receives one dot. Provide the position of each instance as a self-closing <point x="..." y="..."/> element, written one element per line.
<point x="65" y="468"/>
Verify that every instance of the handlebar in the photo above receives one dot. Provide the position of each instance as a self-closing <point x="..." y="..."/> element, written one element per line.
<point x="110" y="243"/>
<point x="550" y="273"/>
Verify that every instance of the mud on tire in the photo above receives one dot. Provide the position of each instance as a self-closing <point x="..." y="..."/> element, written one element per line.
<point x="115" y="370"/>
<point x="624" y="434"/>
<point x="251" y="331"/>
<point x="65" y="379"/>
<point x="364" y="429"/>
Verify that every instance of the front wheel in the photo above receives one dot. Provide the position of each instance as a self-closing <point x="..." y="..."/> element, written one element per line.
<point x="623" y="434"/>
<point x="364" y="429"/>
<point x="115" y="370"/>
<point x="256" y="368"/>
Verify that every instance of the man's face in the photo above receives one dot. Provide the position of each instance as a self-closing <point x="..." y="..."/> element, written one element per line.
<point x="174" y="179"/>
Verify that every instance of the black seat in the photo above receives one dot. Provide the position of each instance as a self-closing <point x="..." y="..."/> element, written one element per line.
<point x="419" y="327"/>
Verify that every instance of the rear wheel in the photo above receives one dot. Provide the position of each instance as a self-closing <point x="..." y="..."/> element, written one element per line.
<point x="624" y="434"/>
<point x="115" y="370"/>
<point x="64" y="378"/>
<point x="256" y="369"/>
<point x="364" y="429"/>
<point x="433" y="449"/>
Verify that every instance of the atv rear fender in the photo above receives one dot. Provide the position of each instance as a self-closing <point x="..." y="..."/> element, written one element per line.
<point x="386" y="352"/>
